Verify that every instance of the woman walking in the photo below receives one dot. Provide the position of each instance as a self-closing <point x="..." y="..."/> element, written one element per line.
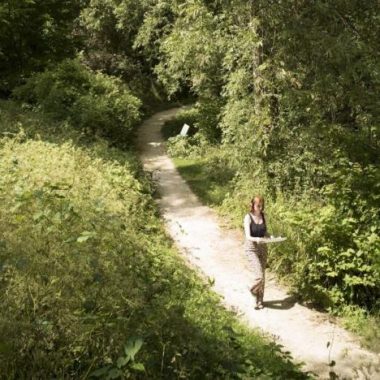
<point x="255" y="228"/>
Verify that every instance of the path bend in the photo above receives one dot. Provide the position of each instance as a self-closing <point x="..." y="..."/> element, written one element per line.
<point x="219" y="254"/>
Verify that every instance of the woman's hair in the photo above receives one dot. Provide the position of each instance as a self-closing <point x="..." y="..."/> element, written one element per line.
<point x="257" y="199"/>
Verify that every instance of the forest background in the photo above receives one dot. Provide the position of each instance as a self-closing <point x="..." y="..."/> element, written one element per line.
<point x="285" y="103"/>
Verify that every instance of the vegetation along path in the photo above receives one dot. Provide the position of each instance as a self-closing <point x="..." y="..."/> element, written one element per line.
<point x="218" y="254"/>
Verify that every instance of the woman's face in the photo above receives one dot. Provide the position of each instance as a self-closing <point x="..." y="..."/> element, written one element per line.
<point x="257" y="206"/>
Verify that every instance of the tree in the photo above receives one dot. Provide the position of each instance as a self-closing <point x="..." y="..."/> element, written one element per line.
<point x="33" y="34"/>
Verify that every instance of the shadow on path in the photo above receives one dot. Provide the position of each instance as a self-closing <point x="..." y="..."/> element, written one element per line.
<point x="284" y="304"/>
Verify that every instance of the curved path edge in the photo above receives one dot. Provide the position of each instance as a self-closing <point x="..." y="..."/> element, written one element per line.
<point x="218" y="254"/>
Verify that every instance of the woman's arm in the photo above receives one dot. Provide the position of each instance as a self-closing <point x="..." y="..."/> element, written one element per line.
<point x="247" y="230"/>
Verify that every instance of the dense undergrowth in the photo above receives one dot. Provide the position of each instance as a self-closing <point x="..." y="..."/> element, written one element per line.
<point x="92" y="102"/>
<point x="330" y="259"/>
<point x="287" y="106"/>
<point x="90" y="284"/>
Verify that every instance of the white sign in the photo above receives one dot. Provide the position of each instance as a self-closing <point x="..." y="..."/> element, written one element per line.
<point x="184" y="130"/>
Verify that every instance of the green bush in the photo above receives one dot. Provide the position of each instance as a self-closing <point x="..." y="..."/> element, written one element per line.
<point x="173" y="127"/>
<point x="360" y="321"/>
<point x="209" y="115"/>
<point x="331" y="255"/>
<point x="65" y="222"/>
<point x="186" y="146"/>
<point x="202" y="118"/>
<point x="92" y="102"/>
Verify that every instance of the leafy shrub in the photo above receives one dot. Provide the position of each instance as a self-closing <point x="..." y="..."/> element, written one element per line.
<point x="186" y="146"/>
<point x="93" y="102"/>
<point x="360" y="321"/>
<point x="173" y="127"/>
<point x="208" y="121"/>
<point x="60" y="253"/>
<point x="331" y="255"/>
<point x="202" y="119"/>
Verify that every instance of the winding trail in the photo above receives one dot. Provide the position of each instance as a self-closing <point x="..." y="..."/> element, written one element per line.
<point x="218" y="254"/>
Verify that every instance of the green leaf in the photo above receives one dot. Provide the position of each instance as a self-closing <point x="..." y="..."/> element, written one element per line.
<point x="101" y="371"/>
<point x="122" y="361"/>
<point x="70" y="240"/>
<point x="114" y="373"/>
<point x="38" y="215"/>
<point x="332" y="274"/>
<point x="85" y="235"/>
<point x="82" y="239"/>
<point x="132" y="347"/>
<point x="138" y="367"/>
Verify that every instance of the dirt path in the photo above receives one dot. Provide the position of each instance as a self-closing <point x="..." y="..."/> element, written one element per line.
<point x="219" y="255"/>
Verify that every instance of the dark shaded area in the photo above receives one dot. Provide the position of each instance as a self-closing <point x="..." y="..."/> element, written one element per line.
<point x="283" y="304"/>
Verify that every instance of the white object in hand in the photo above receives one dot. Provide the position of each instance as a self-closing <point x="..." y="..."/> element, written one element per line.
<point x="272" y="239"/>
